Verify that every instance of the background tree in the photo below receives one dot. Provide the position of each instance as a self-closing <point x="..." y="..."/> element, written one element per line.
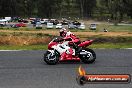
<point x="103" y="9"/>
<point x="86" y="7"/>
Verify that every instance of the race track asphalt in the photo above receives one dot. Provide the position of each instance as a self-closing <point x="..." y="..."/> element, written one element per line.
<point x="26" y="69"/>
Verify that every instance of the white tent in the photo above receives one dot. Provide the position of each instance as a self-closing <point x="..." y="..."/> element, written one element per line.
<point x="3" y="20"/>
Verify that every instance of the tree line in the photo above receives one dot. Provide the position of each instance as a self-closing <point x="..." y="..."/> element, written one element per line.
<point x="114" y="9"/>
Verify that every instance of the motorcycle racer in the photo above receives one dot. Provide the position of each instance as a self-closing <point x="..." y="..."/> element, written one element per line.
<point x="69" y="35"/>
<point x="68" y="38"/>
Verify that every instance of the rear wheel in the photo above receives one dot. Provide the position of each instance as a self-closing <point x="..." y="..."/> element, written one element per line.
<point x="88" y="57"/>
<point x="51" y="58"/>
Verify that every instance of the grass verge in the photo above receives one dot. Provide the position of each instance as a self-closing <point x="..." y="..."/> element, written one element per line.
<point x="44" y="47"/>
<point x="24" y="47"/>
<point x="112" y="45"/>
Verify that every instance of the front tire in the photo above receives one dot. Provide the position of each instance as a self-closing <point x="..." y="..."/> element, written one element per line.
<point x="89" y="58"/>
<point x="51" y="59"/>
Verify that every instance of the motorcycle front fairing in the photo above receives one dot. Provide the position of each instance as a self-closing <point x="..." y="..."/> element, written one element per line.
<point x="54" y="42"/>
<point x="51" y="44"/>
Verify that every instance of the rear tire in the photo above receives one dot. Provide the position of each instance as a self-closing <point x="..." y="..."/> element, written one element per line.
<point x="51" y="62"/>
<point x="90" y="59"/>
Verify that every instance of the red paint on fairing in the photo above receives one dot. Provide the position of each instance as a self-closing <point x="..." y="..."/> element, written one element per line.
<point x="51" y="44"/>
<point x="69" y="57"/>
<point x="85" y="43"/>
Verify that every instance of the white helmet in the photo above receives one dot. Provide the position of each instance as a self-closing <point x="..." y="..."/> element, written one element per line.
<point x="63" y="32"/>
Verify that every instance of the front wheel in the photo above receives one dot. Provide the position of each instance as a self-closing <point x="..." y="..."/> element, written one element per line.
<point x="51" y="58"/>
<point x="87" y="56"/>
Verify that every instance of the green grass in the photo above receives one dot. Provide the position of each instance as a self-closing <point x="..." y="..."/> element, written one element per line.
<point x="120" y="28"/>
<point x="44" y="47"/>
<point x="113" y="28"/>
<point x="25" y="47"/>
<point x="110" y="28"/>
<point x="112" y="45"/>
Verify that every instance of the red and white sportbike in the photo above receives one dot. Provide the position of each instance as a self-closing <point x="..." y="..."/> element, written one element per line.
<point x="63" y="50"/>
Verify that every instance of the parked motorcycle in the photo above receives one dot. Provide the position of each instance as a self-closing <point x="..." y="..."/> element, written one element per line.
<point x="82" y="53"/>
